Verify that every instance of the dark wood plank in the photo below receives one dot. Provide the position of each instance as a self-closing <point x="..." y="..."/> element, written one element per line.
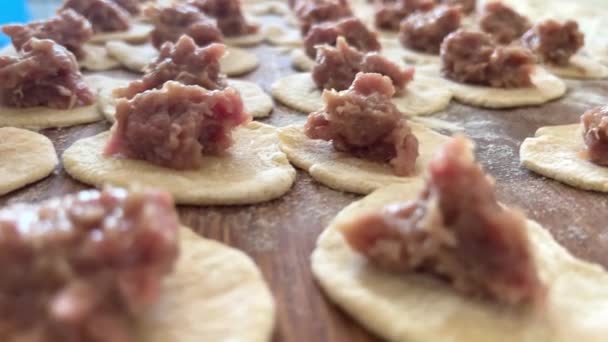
<point x="281" y="234"/>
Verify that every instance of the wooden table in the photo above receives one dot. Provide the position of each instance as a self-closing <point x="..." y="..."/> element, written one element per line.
<point x="280" y="235"/>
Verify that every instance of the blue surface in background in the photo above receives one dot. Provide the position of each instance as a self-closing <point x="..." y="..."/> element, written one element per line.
<point x="12" y="11"/>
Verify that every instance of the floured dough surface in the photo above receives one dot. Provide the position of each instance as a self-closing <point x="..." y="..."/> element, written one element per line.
<point x="278" y="35"/>
<point x="423" y="95"/>
<point x="138" y="33"/>
<point x="558" y="152"/>
<point x="580" y="67"/>
<point x="135" y="57"/>
<point x="254" y="170"/>
<point x="301" y="61"/>
<point x="216" y="293"/>
<point x="97" y="59"/>
<point x="547" y="87"/>
<point x="26" y="157"/>
<point x="256" y="101"/>
<point x="267" y="7"/>
<point x="419" y="308"/>
<point x="42" y="117"/>
<point x="246" y="40"/>
<point x="390" y="41"/>
<point x="344" y="172"/>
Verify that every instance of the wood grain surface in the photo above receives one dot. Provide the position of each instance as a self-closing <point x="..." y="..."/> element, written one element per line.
<point x="280" y="235"/>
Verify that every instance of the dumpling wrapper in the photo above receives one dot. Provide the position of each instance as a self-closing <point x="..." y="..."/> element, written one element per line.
<point x="42" y="117"/>
<point x="423" y="95"/>
<point x="558" y="152"/>
<point x="278" y="35"/>
<point x="26" y="157"/>
<point x="390" y="41"/>
<point x="300" y="60"/>
<point x="421" y="308"/>
<point x="266" y="7"/>
<point x="138" y="33"/>
<point x="580" y="67"/>
<point x="215" y="293"/>
<point x="246" y="40"/>
<point x="253" y="170"/>
<point x="547" y="87"/>
<point x="344" y="172"/>
<point x="256" y="101"/>
<point x="236" y="62"/>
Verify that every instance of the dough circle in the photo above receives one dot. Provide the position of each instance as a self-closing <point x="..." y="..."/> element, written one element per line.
<point x="97" y="59"/>
<point x="254" y="170"/>
<point x="246" y="40"/>
<point x="300" y="60"/>
<point x="343" y="172"/>
<point x="26" y="157"/>
<point x="580" y="67"/>
<point x="547" y="87"/>
<point x="390" y="41"/>
<point x="281" y="36"/>
<point x="216" y="293"/>
<point x="138" y="33"/>
<point x="236" y="62"/>
<point x="42" y="117"/>
<point x="555" y="152"/>
<point x="257" y="102"/>
<point x="419" y="308"/>
<point x="424" y="95"/>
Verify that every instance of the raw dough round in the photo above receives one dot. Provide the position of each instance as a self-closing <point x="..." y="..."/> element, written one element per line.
<point x="136" y="57"/>
<point x="555" y="152"/>
<point x="42" y="117"/>
<point x="26" y="158"/>
<point x="254" y="170"/>
<point x="424" y="95"/>
<point x="257" y="102"/>
<point x="300" y="60"/>
<point x="580" y="67"/>
<point x="216" y="293"/>
<point x="547" y="87"/>
<point x="246" y="40"/>
<point x="97" y="59"/>
<point x="138" y="33"/>
<point x="343" y="172"/>
<point x="419" y="308"/>
<point x="278" y="35"/>
<point x="389" y="41"/>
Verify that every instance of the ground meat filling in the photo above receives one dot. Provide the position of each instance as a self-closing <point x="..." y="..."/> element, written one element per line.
<point x="595" y="134"/>
<point x="312" y="12"/>
<point x="426" y="30"/>
<point x="44" y="74"/>
<point x="363" y="121"/>
<point x="82" y="267"/>
<point x="352" y="29"/>
<point x="502" y="22"/>
<point x="473" y="57"/>
<point x="229" y="16"/>
<point x="104" y="15"/>
<point x="337" y="67"/>
<point x="466" y="6"/>
<point x="177" y="125"/>
<point x="67" y="28"/>
<point x="456" y="230"/>
<point x="389" y="14"/>
<point x="554" y="42"/>
<point x="131" y="6"/>
<point x="183" y="62"/>
<point x="170" y="23"/>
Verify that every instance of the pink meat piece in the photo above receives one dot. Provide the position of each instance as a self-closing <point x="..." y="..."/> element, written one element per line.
<point x="424" y="31"/>
<point x="67" y="28"/>
<point x="172" y="22"/>
<point x="337" y="67"/>
<point x="595" y="134"/>
<point x="183" y="62"/>
<point x="363" y="121"/>
<point x="352" y="29"/>
<point x="44" y="74"/>
<point x="456" y="231"/>
<point x="84" y="266"/>
<point x="503" y="22"/>
<point x="177" y="125"/>
<point x="554" y="42"/>
<point x="229" y="16"/>
<point x="311" y="12"/>
<point x="389" y="14"/>
<point x="473" y="57"/>
<point x="104" y="15"/>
